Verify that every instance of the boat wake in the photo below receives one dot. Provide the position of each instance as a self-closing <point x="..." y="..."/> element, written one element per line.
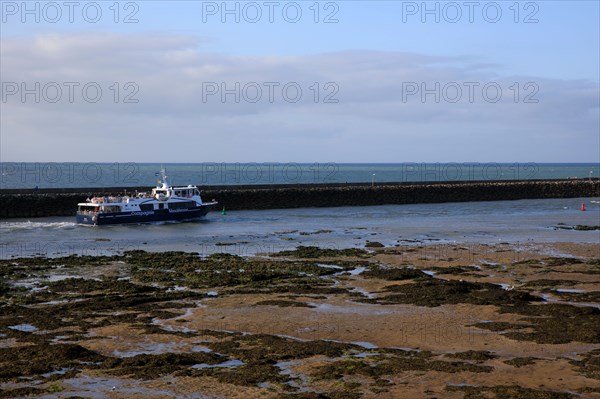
<point x="6" y="227"/>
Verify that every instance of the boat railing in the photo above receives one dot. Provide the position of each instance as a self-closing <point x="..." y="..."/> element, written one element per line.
<point x="108" y="199"/>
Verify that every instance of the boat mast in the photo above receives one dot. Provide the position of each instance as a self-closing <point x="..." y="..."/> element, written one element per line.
<point x="163" y="173"/>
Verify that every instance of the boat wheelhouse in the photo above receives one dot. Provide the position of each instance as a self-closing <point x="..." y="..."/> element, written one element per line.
<point x="164" y="203"/>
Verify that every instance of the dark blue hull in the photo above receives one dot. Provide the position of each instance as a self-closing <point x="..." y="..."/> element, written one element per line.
<point x="159" y="215"/>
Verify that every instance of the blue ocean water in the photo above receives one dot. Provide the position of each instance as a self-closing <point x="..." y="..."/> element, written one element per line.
<point x="129" y="174"/>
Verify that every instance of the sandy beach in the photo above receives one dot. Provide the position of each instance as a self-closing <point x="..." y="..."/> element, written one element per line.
<point x="437" y="321"/>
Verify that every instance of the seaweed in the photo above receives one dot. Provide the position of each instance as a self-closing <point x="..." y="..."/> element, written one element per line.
<point x="479" y="356"/>
<point x="36" y="360"/>
<point x="507" y="392"/>
<point x="434" y="292"/>
<point x="149" y="367"/>
<point x="377" y="366"/>
<point x="550" y="323"/>
<point x="521" y="361"/>
<point x="389" y="273"/>
<point x="589" y="365"/>
<point x="311" y="252"/>
<point x="283" y="303"/>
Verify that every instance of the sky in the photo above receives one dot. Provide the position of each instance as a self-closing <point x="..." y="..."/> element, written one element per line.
<point x="304" y="81"/>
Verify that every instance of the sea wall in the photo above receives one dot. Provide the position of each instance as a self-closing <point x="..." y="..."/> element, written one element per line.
<point x="26" y="204"/>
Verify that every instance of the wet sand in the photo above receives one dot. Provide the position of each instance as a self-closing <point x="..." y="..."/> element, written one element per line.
<point x="411" y="321"/>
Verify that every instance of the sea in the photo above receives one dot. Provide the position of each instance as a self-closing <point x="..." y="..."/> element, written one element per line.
<point x="28" y="175"/>
<point x="254" y="232"/>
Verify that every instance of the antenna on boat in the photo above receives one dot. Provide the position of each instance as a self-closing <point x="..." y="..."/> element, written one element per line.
<point x="163" y="172"/>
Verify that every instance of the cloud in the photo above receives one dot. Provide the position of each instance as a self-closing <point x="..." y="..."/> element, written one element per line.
<point x="355" y="106"/>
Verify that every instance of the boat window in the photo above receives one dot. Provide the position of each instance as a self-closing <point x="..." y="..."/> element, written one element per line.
<point x="161" y="206"/>
<point x="182" y="205"/>
<point x="146" y="207"/>
<point x="111" y="209"/>
<point x="88" y="210"/>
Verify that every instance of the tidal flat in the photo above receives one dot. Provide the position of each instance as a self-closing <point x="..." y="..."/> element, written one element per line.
<point x="410" y="321"/>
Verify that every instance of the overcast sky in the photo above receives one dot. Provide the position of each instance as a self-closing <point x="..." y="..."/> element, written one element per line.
<point x="305" y="81"/>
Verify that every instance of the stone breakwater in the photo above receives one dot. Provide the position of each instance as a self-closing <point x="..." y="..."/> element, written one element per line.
<point x="62" y="202"/>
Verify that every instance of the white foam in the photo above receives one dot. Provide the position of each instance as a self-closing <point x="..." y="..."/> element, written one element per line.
<point x="29" y="225"/>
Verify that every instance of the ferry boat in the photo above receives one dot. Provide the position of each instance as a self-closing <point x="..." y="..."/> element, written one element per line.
<point x="163" y="204"/>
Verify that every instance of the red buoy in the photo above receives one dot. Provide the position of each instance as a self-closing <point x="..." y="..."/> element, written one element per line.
<point x="582" y="207"/>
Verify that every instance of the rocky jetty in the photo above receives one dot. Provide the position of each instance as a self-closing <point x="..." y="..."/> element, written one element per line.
<point x="62" y="202"/>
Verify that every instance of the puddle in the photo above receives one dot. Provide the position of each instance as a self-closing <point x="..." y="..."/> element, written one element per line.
<point x="176" y="328"/>
<point x="570" y="290"/>
<point x="549" y="298"/>
<point x="487" y="263"/>
<point x="366" y="345"/>
<point x="101" y="388"/>
<point x="357" y="271"/>
<point x="153" y="348"/>
<point x="286" y="369"/>
<point x="57" y="372"/>
<point x="429" y="272"/>
<point x="364" y="292"/>
<point x="60" y="277"/>
<point x="58" y="338"/>
<point x="231" y="363"/>
<point x="203" y="349"/>
<point x="171" y="328"/>
<point x="362" y="344"/>
<point x="543" y="250"/>
<point x="50" y="303"/>
<point x="24" y="328"/>
<point x="57" y="302"/>
<point x="178" y="288"/>
<point x="33" y="286"/>
<point x="329" y="266"/>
